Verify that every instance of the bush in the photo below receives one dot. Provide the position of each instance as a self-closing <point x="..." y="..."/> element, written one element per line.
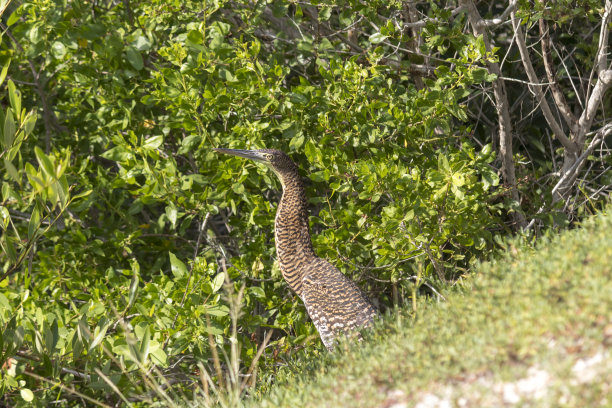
<point x="125" y="236"/>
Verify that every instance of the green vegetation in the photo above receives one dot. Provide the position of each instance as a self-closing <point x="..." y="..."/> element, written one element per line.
<point x="537" y="314"/>
<point x="138" y="267"/>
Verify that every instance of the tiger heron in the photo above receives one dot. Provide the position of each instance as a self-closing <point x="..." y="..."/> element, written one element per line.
<point x="334" y="303"/>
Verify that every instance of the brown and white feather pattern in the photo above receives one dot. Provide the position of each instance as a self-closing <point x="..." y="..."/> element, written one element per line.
<point x="334" y="303"/>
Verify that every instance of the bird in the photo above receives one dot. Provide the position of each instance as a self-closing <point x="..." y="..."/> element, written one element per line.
<point x="335" y="304"/>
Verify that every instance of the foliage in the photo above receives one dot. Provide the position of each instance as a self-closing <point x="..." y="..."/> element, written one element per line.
<point x="529" y="317"/>
<point x="124" y="236"/>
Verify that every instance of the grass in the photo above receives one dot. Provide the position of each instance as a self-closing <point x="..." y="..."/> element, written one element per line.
<point x="533" y="328"/>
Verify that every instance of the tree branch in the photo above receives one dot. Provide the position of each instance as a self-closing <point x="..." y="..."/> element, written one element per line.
<point x="410" y="19"/>
<point x="558" y="96"/>
<point x="588" y="114"/>
<point x="604" y="80"/>
<point x="501" y="106"/>
<point x="501" y="19"/>
<point x="548" y="114"/>
<point x="571" y="172"/>
<point x="602" y="56"/>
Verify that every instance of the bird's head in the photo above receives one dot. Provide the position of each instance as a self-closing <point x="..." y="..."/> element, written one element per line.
<point x="277" y="160"/>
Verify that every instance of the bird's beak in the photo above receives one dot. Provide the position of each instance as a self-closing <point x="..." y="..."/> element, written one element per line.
<point x="247" y="154"/>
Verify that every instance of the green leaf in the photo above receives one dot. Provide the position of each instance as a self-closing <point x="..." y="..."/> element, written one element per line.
<point x="77" y="347"/>
<point x="12" y="171"/>
<point x="346" y="17"/>
<point x="226" y="75"/>
<point x="238" y="188"/>
<point x="443" y="165"/>
<point x="310" y="150"/>
<point x="486" y="150"/>
<point x="390" y="211"/>
<point x="83" y="194"/>
<point x="153" y="142"/>
<point x="45" y="163"/>
<point x="4" y="71"/>
<point x="5" y="217"/>
<point x="490" y="77"/>
<point x="134" y="284"/>
<point x="298" y="98"/>
<point x="213" y="329"/>
<point x="35" y="33"/>
<point x="479" y="74"/>
<point x="99" y="333"/>
<point x="297" y="142"/>
<point x="217" y="310"/>
<point x="117" y="153"/>
<point x="26" y="394"/>
<point x="305" y="45"/>
<point x="9" y="129"/>
<point x="458" y="179"/>
<point x="218" y="281"/>
<point x="30" y="122"/>
<point x="489" y="178"/>
<point x="178" y="267"/>
<point x="134" y="58"/>
<point x="14" y="17"/>
<point x="92" y="31"/>
<point x="52" y="336"/>
<point x="58" y="49"/>
<point x="325" y="13"/>
<point x="159" y="357"/>
<point x="8" y="248"/>
<point x="144" y="345"/>
<point x="377" y="38"/>
<point x="258" y="292"/>
<point x="142" y="43"/>
<point x="34" y="223"/>
<point x="172" y="214"/>
<point x="61" y="187"/>
<point x="33" y="177"/>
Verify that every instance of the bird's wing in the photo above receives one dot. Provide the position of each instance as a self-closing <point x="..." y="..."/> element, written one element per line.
<point x="334" y="303"/>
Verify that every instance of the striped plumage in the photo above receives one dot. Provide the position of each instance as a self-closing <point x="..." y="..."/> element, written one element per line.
<point x="334" y="303"/>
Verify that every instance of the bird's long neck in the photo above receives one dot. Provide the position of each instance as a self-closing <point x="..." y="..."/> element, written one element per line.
<point x="293" y="245"/>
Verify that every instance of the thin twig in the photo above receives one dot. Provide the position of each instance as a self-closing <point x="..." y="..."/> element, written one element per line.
<point x="599" y="136"/>
<point x="48" y="115"/>
<point x="195" y="255"/>
<point x="69" y="389"/>
<point x="519" y="38"/>
<point x="253" y="367"/>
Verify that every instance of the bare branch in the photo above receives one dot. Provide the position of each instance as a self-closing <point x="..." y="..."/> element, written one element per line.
<point x="601" y="134"/>
<point x="519" y="37"/>
<point x="526" y="82"/>
<point x="410" y="20"/>
<point x="281" y="25"/>
<point x="566" y="68"/>
<point x="562" y="105"/>
<point x="586" y="119"/>
<point x="195" y="255"/>
<point x="602" y="47"/>
<point x="414" y="23"/>
<point x="604" y="80"/>
<point x="570" y="173"/>
<point x="501" y="19"/>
